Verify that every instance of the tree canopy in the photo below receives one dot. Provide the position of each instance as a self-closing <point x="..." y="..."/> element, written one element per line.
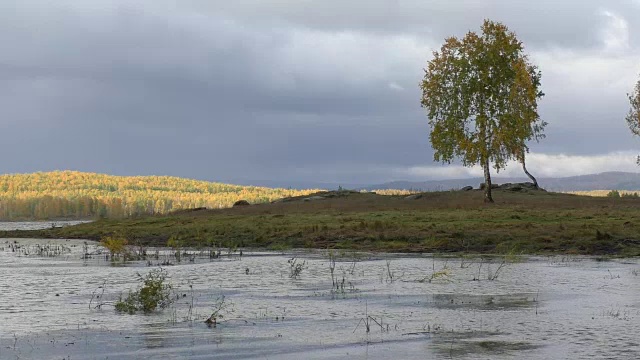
<point x="72" y="194"/>
<point x="480" y="94"/>
<point x="633" y="117"/>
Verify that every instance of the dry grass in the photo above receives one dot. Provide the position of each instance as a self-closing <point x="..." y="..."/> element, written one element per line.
<point x="601" y="193"/>
<point x="395" y="192"/>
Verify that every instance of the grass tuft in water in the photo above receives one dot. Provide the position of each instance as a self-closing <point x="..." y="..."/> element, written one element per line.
<point x="154" y="293"/>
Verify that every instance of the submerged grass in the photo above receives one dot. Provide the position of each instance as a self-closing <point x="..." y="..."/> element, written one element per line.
<point x="534" y="222"/>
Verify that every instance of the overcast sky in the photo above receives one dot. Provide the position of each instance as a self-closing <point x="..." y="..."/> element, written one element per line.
<point x="292" y="90"/>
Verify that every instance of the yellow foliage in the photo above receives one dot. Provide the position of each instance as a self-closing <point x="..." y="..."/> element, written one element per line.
<point x="115" y="244"/>
<point x="602" y="193"/>
<point x="75" y="194"/>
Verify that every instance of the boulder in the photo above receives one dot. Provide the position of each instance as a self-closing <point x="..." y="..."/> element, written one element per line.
<point x="493" y="186"/>
<point x="313" y="198"/>
<point x="467" y="188"/>
<point x="241" y="203"/>
<point x="524" y="186"/>
<point x="511" y="187"/>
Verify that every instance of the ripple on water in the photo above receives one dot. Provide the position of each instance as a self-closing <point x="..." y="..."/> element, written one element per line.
<point x="534" y="309"/>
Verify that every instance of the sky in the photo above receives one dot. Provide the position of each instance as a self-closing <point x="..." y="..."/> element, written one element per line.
<point x="293" y="90"/>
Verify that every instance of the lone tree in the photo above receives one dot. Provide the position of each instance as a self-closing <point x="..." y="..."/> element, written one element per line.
<point x="633" y="118"/>
<point x="481" y="94"/>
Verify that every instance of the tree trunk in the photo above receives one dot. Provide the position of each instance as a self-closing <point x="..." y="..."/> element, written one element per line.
<point x="524" y="167"/>
<point x="487" y="182"/>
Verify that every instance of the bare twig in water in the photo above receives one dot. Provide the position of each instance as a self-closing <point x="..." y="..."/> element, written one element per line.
<point x="368" y="320"/>
<point x="99" y="298"/>
<point x="492" y="276"/>
<point x="295" y="267"/>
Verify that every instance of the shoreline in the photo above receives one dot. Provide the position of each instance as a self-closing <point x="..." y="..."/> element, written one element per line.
<point x="528" y="223"/>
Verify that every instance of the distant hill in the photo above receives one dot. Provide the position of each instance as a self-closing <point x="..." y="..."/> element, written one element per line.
<point x="602" y="181"/>
<point x="72" y="194"/>
<point x="297" y="184"/>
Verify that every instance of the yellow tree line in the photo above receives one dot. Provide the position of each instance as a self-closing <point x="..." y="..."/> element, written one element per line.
<point x="81" y="195"/>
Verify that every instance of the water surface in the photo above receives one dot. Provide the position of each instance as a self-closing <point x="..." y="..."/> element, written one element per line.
<point x="37" y="225"/>
<point x="415" y="306"/>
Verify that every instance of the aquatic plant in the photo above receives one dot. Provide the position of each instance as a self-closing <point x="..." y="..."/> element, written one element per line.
<point x="153" y="294"/>
<point x="491" y="275"/>
<point x="116" y="244"/>
<point x="295" y="267"/>
<point x="442" y="274"/>
<point x="332" y="267"/>
<point x="98" y="297"/>
<point x="176" y="244"/>
<point x="220" y="307"/>
<point x="389" y="274"/>
<point x="436" y="275"/>
<point x="368" y="320"/>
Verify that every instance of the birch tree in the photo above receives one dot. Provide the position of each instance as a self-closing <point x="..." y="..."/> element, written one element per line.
<point x="633" y="118"/>
<point x="481" y="97"/>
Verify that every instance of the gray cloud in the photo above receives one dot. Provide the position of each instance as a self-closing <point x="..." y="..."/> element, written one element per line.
<point x="538" y="23"/>
<point x="316" y="90"/>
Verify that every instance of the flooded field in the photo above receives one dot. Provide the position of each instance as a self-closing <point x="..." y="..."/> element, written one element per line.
<point x="57" y="303"/>
<point x="37" y="225"/>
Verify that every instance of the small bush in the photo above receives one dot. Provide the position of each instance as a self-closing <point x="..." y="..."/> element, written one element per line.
<point x="128" y="304"/>
<point x="613" y="194"/>
<point x="117" y="245"/>
<point x="153" y="294"/>
<point x="176" y="244"/>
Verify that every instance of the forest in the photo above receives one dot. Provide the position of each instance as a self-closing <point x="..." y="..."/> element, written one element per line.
<point x="80" y="195"/>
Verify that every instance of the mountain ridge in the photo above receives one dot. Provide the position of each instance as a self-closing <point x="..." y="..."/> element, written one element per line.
<point x="610" y="180"/>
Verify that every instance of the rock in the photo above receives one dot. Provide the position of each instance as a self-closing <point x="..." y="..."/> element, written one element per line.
<point x="211" y="321"/>
<point x="241" y="203"/>
<point x="414" y="197"/>
<point x="525" y="186"/>
<point x="493" y="186"/>
<point x="313" y="198"/>
<point x="467" y="188"/>
<point x="511" y="187"/>
<point x="516" y="187"/>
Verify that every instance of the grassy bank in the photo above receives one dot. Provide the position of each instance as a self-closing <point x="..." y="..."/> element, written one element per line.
<point x="530" y="222"/>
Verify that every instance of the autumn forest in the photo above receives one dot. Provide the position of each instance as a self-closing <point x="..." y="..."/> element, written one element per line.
<point x="71" y="194"/>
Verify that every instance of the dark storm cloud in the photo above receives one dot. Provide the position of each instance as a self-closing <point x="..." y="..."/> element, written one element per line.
<point x="317" y="90"/>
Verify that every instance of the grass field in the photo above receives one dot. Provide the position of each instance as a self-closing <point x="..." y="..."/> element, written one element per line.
<point x="529" y="222"/>
<point x="604" y="192"/>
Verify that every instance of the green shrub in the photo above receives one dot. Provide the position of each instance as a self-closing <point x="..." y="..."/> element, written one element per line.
<point x="128" y="305"/>
<point x="613" y="194"/>
<point x="117" y="245"/>
<point x="153" y="294"/>
<point x="176" y="244"/>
